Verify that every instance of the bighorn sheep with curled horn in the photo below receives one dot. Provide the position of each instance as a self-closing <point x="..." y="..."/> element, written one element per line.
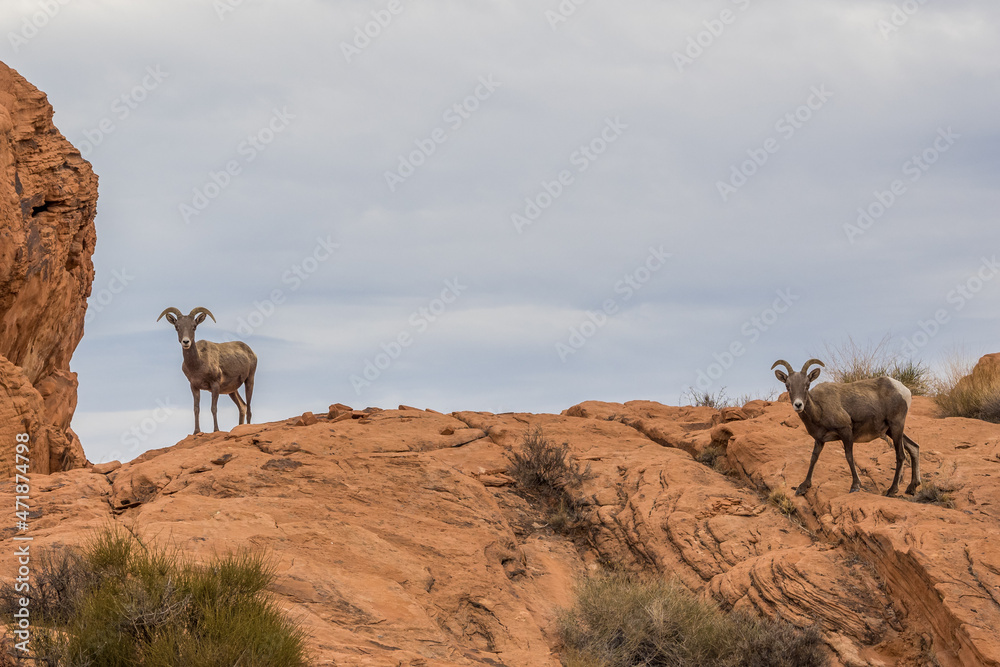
<point x="215" y="367"/>
<point x="852" y="412"/>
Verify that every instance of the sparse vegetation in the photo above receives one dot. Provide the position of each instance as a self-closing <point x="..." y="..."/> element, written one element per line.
<point x="547" y="472"/>
<point x="700" y="398"/>
<point x="620" y="620"/>
<point x="850" y="362"/>
<point x="720" y="399"/>
<point x="122" y="601"/>
<point x="714" y="456"/>
<point x="743" y="399"/>
<point x="930" y="493"/>
<point x="779" y="498"/>
<point x="959" y="393"/>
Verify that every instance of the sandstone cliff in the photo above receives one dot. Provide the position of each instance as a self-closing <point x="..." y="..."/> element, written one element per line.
<point x="400" y="541"/>
<point x="48" y="200"/>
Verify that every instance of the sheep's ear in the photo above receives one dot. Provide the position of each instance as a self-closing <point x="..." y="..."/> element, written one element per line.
<point x="171" y="318"/>
<point x="813" y="374"/>
<point x="200" y="317"/>
<point x="782" y="377"/>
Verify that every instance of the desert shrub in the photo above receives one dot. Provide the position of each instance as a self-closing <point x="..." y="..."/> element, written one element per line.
<point x="714" y="456"/>
<point x="959" y="393"/>
<point x="120" y="601"/>
<point x="547" y="472"/>
<point x="932" y="493"/>
<point x="620" y="620"/>
<point x="701" y="398"/>
<point x="850" y="362"/>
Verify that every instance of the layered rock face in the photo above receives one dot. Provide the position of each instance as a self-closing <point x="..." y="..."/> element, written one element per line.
<point x="48" y="200"/>
<point x="400" y="540"/>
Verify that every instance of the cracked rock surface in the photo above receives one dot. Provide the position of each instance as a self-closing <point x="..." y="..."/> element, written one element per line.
<point x="401" y="540"/>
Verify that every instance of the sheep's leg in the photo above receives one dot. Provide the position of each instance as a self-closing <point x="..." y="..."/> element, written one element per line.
<point x="240" y="405"/>
<point x="248" y="388"/>
<point x="849" y="454"/>
<point x="197" y="408"/>
<point x="215" y="406"/>
<point x="801" y="489"/>
<point x="897" y="443"/>
<point x="913" y="449"/>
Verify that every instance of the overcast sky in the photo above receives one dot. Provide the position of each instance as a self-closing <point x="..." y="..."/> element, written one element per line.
<point x="499" y="206"/>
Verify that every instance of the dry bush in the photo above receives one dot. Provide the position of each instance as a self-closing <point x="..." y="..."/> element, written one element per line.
<point x="620" y="620"/>
<point x="547" y="472"/>
<point x="850" y="362"/>
<point x="959" y="393"/>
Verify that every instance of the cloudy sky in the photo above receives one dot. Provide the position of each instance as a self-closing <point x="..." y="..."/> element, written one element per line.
<point x="501" y="206"/>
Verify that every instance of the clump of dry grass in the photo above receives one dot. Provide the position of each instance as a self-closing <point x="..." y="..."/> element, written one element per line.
<point x="620" y="620"/>
<point x="779" y="498"/>
<point x="959" y="392"/>
<point x="850" y="362"/>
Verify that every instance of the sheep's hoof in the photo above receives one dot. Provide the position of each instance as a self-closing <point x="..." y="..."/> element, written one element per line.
<point x="801" y="489"/>
<point x="911" y="489"/>
<point x="891" y="493"/>
<point x="855" y="489"/>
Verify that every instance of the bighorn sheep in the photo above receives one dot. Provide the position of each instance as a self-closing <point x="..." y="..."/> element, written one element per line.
<point x="852" y="412"/>
<point x="215" y="367"/>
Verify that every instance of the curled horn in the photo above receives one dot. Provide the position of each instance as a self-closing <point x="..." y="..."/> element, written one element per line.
<point x="782" y="362"/>
<point x="809" y="363"/>
<point x="170" y="310"/>
<point x="199" y="309"/>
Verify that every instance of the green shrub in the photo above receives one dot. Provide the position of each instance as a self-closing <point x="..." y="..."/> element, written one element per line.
<point x="620" y="620"/>
<point x="122" y="602"/>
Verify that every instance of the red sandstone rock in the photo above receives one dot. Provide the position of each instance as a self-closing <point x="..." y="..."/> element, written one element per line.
<point x="307" y="419"/>
<point x="396" y="547"/>
<point x="48" y="199"/>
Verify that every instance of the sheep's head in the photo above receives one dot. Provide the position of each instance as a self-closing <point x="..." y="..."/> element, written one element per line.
<point x="797" y="384"/>
<point x="186" y="324"/>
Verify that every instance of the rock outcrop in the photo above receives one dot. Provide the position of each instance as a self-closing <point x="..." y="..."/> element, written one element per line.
<point x="400" y="539"/>
<point x="48" y="200"/>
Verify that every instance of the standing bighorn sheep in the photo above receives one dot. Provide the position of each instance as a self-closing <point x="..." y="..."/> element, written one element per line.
<point x="215" y="367"/>
<point x="852" y="412"/>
